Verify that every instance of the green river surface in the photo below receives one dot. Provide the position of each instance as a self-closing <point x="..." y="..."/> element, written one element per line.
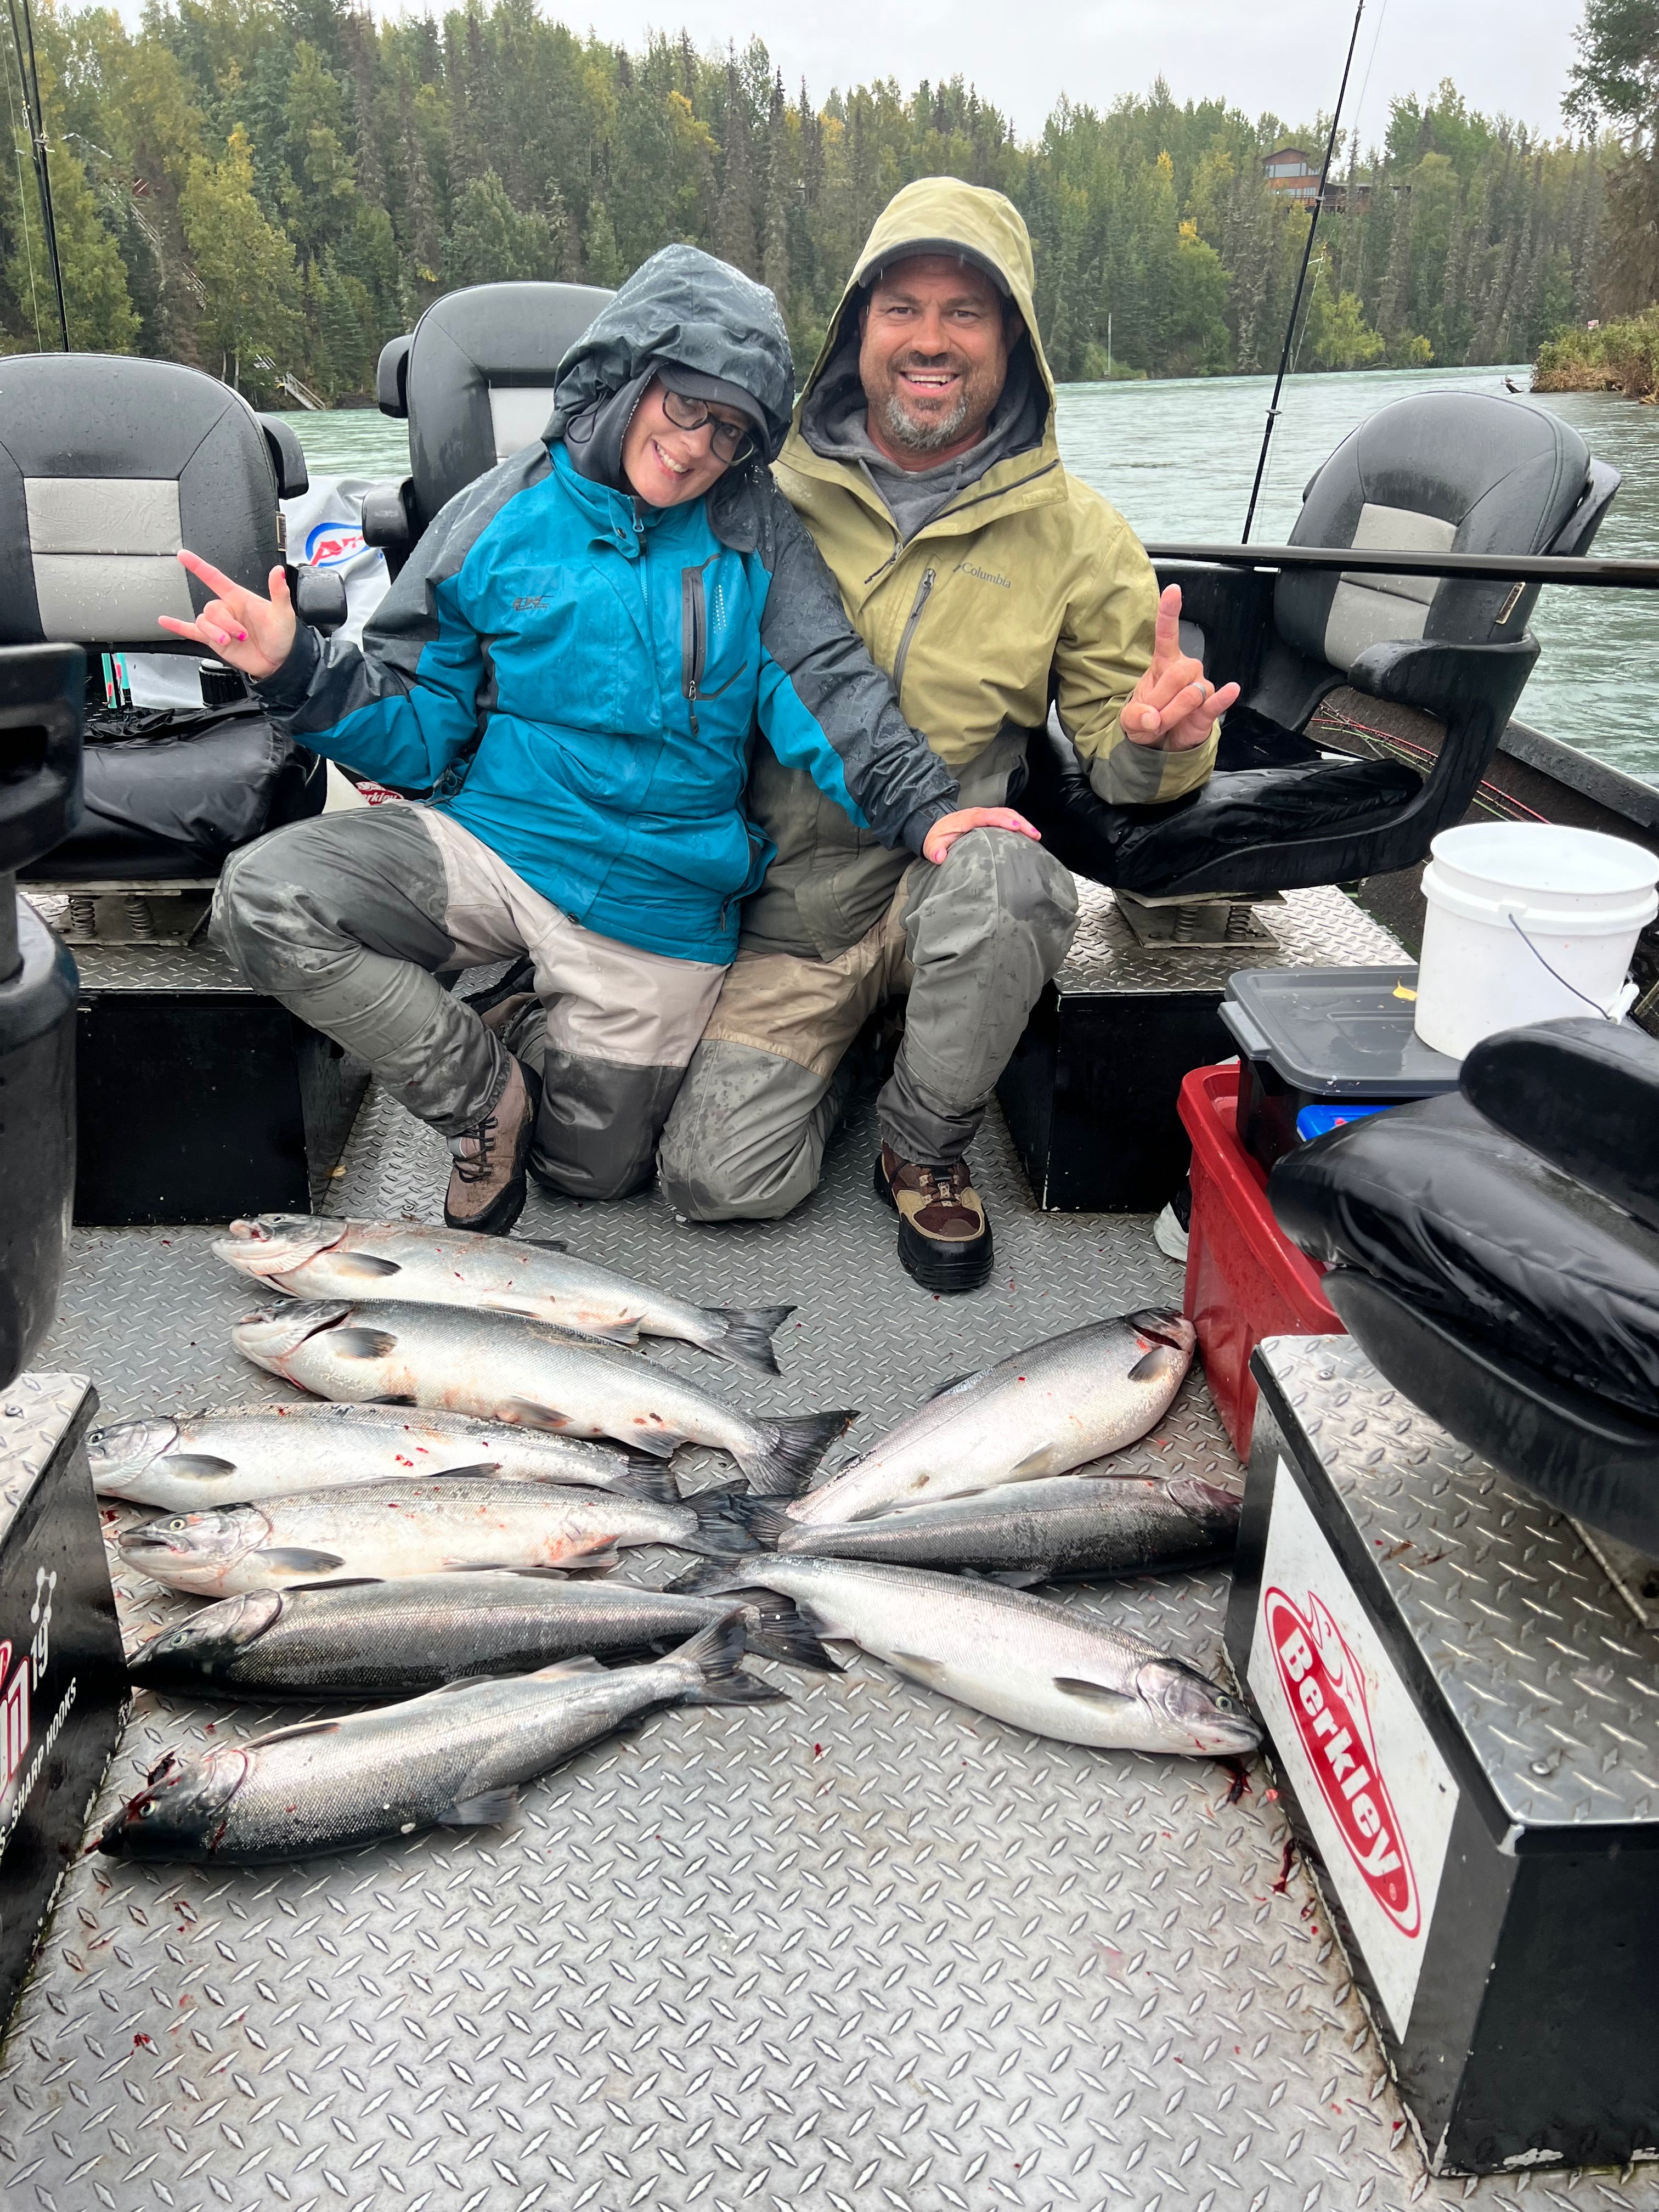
<point x="1177" y="459"/>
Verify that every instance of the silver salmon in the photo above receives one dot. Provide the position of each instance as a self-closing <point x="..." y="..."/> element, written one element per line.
<point x="499" y="1368"/>
<point x="1063" y="1526"/>
<point x="203" y="1460"/>
<point x="456" y="1756"/>
<point x="309" y="1257"/>
<point x="1042" y="1410"/>
<point x="396" y="1639"/>
<point x="385" y="1530"/>
<point x="1024" y="1659"/>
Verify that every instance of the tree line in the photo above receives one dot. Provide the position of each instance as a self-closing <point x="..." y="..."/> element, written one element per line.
<point x="272" y="188"/>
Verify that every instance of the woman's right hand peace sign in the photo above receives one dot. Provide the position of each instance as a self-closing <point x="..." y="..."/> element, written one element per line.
<point x="243" y="630"/>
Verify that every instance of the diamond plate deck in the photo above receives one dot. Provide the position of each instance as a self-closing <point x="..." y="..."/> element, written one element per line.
<point x="1553" y="1685"/>
<point x="34" y="1414"/>
<point x="1315" y="929"/>
<point x="864" y="1950"/>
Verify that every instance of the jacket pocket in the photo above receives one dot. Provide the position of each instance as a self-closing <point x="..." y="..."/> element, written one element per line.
<point x="694" y="634"/>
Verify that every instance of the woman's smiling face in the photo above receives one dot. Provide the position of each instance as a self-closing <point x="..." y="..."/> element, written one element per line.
<point x="665" y="465"/>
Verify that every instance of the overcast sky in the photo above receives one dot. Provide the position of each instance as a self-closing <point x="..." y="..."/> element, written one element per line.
<point x="1506" y="55"/>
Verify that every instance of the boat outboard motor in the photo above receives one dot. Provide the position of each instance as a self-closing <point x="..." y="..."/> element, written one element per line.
<point x="474" y="381"/>
<point x="42" y="690"/>
<point x="1436" y="667"/>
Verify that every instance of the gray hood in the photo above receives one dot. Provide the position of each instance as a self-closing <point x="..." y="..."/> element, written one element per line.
<point x="683" y="306"/>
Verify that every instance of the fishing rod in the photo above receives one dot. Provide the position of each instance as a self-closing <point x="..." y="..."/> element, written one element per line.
<point x="1302" y="274"/>
<point x="29" y="85"/>
<point x="1476" y="567"/>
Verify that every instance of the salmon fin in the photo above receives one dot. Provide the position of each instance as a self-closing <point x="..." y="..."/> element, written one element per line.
<point x="932" y="1671"/>
<point x="1031" y="1468"/>
<point x="956" y="1382"/>
<point x="746" y="1335"/>
<point x="658" y="1444"/>
<point x="776" y="1629"/>
<point x="1206" y="1502"/>
<point x="295" y="1559"/>
<point x="650" y="1480"/>
<point x="345" y="1582"/>
<point x="532" y="1414"/>
<point x="363" y="1266"/>
<point x="194" y="1463"/>
<point x="1162" y="1359"/>
<point x="766" y="1519"/>
<point x="480" y="1473"/>
<point x="721" y="1531"/>
<point x="489" y="1809"/>
<point x="797" y="1445"/>
<point x="392" y="1398"/>
<point x="706" y="1579"/>
<point x="717" y="1653"/>
<point x="1010" y="1577"/>
<point x="542" y="1244"/>
<point x="1093" y="1693"/>
<point x="586" y="1664"/>
<point x="361" y="1343"/>
<point x="594" y="1562"/>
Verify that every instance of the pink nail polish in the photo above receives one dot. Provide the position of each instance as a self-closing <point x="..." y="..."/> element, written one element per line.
<point x="242" y="636"/>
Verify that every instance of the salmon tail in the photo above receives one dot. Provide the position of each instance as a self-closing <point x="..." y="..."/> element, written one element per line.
<point x="714" y="1656"/>
<point x="746" y="1333"/>
<point x="648" y="1479"/>
<point x="775" y="1630"/>
<point x="793" y="1448"/>
<point x="722" y="1533"/>
<point x="766" y="1519"/>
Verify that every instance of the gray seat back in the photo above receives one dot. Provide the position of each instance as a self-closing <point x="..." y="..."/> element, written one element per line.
<point x="108" y="465"/>
<point x="1439" y="472"/>
<point x="477" y="383"/>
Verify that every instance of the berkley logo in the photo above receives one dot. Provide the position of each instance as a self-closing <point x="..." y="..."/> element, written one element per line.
<point x="331" y="544"/>
<point x="1327" y="1697"/>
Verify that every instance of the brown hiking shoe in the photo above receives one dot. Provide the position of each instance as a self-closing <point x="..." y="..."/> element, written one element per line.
<point x="487" y="1185"/>
<point x="943" y="1238"/>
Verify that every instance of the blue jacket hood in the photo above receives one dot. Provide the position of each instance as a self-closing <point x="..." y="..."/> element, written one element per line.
<point x="683" y="305"/>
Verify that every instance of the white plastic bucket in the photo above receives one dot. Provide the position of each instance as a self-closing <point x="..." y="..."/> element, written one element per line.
<point x="1528" y="921"/>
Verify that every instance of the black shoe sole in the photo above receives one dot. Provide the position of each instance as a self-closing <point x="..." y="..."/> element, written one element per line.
<point x="946" y="1268"/>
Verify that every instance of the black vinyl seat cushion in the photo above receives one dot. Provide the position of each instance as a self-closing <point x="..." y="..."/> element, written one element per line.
<point x="1143" y="848"/>
<point x="1584" y="1094"/>
<point x="178" y="796"/>
<point x="1460" y="1220"/>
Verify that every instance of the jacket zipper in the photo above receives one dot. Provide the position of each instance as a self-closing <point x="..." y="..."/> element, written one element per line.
<point x="693" y="637"/>
<point x="923" y="589"/>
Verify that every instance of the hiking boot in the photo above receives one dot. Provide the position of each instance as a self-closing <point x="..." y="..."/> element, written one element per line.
<point x="487" y="1186"/>
<point x="944" y="1238"/>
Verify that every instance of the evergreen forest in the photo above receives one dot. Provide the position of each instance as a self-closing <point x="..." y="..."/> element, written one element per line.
<point x="271" y="188"/>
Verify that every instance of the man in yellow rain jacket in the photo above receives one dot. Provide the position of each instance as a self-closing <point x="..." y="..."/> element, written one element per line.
<point x="986" y="580"/>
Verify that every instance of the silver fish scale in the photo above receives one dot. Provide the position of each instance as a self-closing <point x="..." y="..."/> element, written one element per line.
<point x="864" y="1950"/>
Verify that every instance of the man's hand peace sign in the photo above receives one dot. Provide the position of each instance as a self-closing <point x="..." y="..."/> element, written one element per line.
<point x="249" y="633"/>
<point x="1173" y="706"/>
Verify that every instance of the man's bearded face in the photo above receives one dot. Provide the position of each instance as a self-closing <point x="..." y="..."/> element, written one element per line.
<point x="933" y="355"/>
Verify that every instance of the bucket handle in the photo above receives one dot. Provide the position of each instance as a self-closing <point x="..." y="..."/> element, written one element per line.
<point x="1624" y="998"/>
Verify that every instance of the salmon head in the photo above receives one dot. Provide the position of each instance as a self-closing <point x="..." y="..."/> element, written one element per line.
<point x="272" y="1245"/>
<point x="180" y="1812"/>
<point x="195" y="1552"/>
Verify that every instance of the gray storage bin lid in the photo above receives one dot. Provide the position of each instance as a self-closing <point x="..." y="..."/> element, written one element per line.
<point x="1337" y="1032"/>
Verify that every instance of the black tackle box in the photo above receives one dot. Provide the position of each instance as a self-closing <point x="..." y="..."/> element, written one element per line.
<point x="1324" y="1036"/>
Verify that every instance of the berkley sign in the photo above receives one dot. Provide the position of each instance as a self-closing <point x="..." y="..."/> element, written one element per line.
<point x="1326" y="1694"/>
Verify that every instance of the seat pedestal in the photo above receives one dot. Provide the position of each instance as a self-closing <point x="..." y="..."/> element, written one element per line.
<point x="1089" y="1094"/>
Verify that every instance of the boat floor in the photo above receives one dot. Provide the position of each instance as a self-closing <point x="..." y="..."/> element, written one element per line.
<point x="866" y="1948"/>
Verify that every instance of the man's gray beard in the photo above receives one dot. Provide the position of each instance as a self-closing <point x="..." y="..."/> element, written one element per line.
<point x="922" y="437"/>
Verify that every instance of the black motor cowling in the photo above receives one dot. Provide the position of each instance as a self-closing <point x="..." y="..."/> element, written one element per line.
<point x="42" y="691"/>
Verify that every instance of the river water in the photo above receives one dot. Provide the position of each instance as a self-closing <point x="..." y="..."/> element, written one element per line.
<point x="1176" y="459"/>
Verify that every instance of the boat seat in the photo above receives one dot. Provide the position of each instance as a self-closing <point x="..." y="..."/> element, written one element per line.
<point x="107" y="467"/>
<point x="1490" y="1269"/>
<point x="474" y="380"/>
<point x="1439" y="472"/>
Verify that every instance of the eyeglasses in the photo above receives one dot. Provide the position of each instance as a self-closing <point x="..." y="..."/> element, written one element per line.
<point x="732" y="442"/>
